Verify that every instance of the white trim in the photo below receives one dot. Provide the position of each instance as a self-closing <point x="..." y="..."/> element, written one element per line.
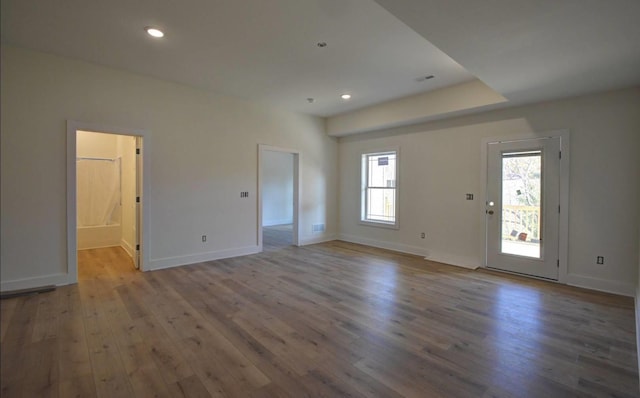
<point x="170" y="262"/>
<point x="297" y="161"/>
<point x="318" y="239"/>
<point x="454" y="259"/>
<point x="444" y="258"/>
<point x="36" y="281"/>
<point x="72" y="234"/>
<point x="399" y="247"/>
<point x="362" y="187"/>
<point x="282" y="221"/>
<point x="563" y="233"/>
<point x="127" y="247"/>
<point x="603" y="285"/>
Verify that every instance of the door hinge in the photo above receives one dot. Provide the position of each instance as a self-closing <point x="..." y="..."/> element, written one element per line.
<point x="137" y="247"/>
<point x="560" y="155"/>
<point x="558" y="263"/>
<point x="137" y="199"/>
<point x="137" y="151"/>
<point x="558" y="209"/>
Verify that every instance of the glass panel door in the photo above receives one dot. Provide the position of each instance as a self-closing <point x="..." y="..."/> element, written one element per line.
<point x="522" y="213"/>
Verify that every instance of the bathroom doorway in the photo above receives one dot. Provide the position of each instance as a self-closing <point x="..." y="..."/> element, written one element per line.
<point x="104" y="202"/>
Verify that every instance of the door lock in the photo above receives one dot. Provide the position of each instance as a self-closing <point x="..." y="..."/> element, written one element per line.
<point x="490" y="212"/>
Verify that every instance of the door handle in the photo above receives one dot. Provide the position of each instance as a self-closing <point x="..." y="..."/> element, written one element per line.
<point x="490" y="212"/>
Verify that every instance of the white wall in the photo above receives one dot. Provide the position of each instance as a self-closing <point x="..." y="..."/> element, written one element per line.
<point x="419" y="108"/>
<point x="440" y="162"/>
<point x="277" y="188"/>
<point x="204" y="152"/>
<point x="97" y="145"/>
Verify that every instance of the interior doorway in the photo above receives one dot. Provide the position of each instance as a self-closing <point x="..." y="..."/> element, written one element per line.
<point x="278" y="198"/>
<point x="106" y="192"/>
<point x="105" y="211"/>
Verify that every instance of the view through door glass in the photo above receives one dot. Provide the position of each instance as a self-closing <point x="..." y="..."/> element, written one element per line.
<point x="521" y="203"/>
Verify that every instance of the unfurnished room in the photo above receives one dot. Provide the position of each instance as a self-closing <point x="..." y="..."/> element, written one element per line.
<point x="320" y="198"/>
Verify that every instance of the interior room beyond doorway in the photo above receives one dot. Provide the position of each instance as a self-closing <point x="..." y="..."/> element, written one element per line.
<point x="106" y="180"/>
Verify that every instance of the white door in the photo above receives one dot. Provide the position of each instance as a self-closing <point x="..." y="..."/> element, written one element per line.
<point x="523" y="206"/>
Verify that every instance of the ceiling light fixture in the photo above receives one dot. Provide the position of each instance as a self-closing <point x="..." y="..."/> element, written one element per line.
<point x="154" y="32"/>
<point x="345" y="96"/>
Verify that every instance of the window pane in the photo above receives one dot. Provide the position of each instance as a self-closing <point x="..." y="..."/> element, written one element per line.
<point x="382" y="170"/>
<point x="382" y="204"/>
<point x="521" y="208"/>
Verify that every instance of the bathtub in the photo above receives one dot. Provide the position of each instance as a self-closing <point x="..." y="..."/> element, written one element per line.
<point x="99" y="236"/>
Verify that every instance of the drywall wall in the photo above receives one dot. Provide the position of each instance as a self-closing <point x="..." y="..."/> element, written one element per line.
<point x="440" y="163"/>
<point x="444" y="102"/>
<point x="277" y="188"/>
<point x="96" y="145"/>
<point x="204" y="150"/>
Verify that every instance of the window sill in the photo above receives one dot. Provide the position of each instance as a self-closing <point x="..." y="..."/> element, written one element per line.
<point x="379" y="224"/>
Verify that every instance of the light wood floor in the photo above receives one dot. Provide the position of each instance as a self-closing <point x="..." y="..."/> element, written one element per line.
<point x="277" y="237"/>
<point x="330" y="320"/>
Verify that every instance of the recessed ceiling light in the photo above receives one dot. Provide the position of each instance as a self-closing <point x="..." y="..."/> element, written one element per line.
<point x="345" y="96"/>
<point x="155" y="32"/>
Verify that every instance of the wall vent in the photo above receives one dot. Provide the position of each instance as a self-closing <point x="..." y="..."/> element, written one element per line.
<point x="317" y="228"/>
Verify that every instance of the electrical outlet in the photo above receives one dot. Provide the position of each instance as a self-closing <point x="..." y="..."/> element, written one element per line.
<point x="244" y="194"/>
<point x="600" y="260"/>
<point x="204" y="238"/>
<point x="469" y="196"/>
<point x="422" y="235"/>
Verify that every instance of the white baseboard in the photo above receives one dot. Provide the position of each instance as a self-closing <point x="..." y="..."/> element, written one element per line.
<point x="169" y="262"/>
<point x="453" y="259"/>
<point x="445" y="258"/>
<point x="270" y="223"/>
<point x="127" y="247"/>
<point x="399" y="247"/>
<point x="312" y="240"/>
<point x="38" y="281"/>
<point x="603" y="285"/>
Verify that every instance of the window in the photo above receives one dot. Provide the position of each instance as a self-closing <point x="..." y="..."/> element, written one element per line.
<point x="379" y="188"/>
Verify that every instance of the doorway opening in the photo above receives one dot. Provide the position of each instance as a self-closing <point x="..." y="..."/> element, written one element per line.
<point x="278" y="198"/>
<point x="104" y="201"/>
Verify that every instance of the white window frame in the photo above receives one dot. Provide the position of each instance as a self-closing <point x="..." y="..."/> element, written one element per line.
<point x="364" y="178"/>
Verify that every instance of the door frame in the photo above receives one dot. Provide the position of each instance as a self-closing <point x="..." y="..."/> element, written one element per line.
<point x="72" y="223"/>
<point x="296" y="191"/>
<point x="563" y="233"/>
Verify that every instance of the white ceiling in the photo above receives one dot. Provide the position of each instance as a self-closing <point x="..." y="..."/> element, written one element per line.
<point x="255" y="49"/>
<point x="527" y="50"/>
<point x="534" y="50"/>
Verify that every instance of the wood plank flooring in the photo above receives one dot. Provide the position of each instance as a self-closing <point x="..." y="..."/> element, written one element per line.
<point x="328" y="320"/>
<point x="277" y="237"/>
